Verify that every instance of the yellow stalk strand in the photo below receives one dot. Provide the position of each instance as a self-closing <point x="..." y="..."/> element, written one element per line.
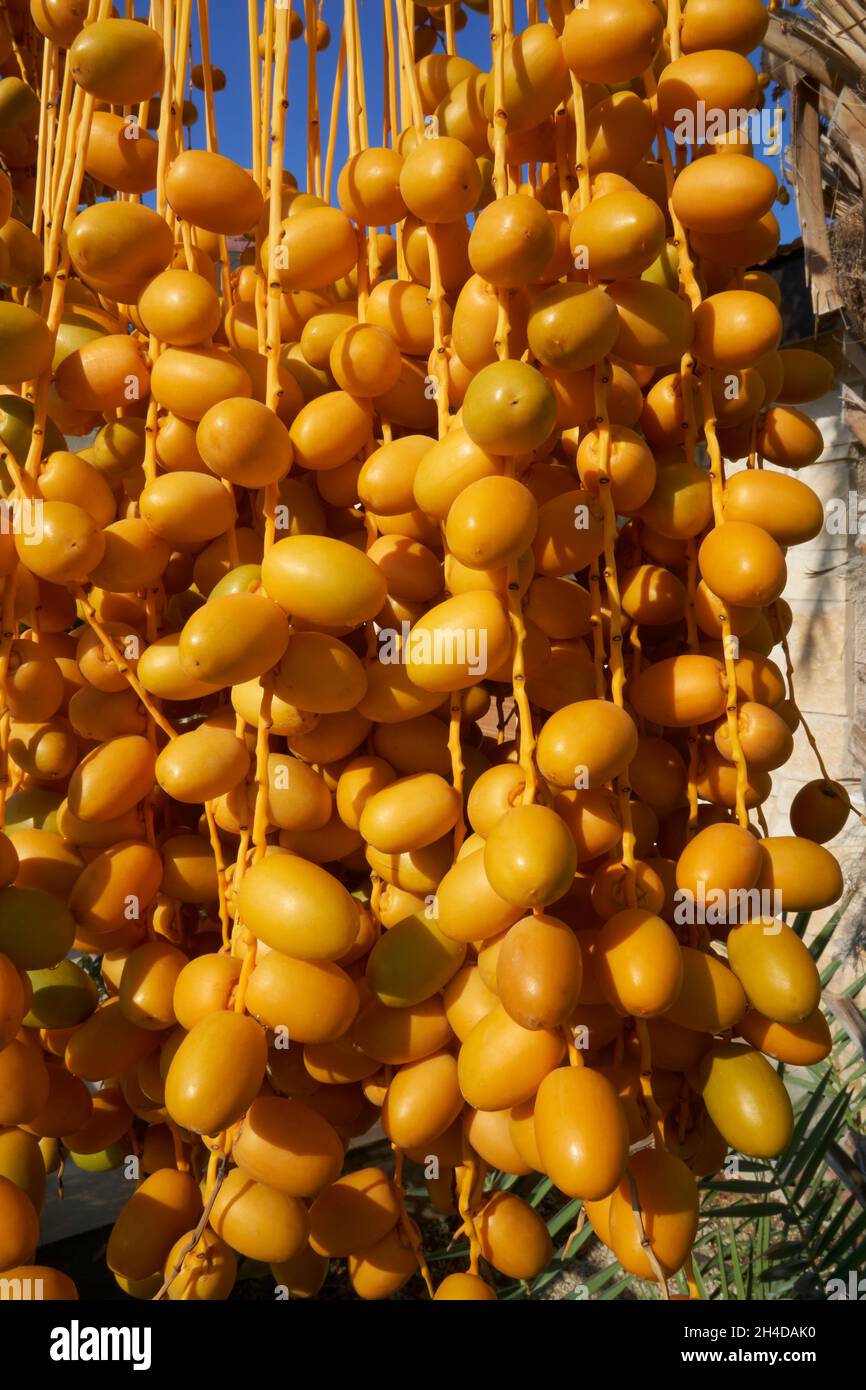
<point x="334" y="123"/>
<point x="204" y="40"/>
<point x="7" y="637"/>
<point x="392" y="123"/>
<point x="120" y="662"/>
<point x="408" y="1227"/>
<point x="464" y="1205"/>
<point x="314" y="132"/>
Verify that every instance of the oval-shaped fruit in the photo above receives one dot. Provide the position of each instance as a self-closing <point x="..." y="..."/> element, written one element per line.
<point x="765" y="738"/>
<point x="723" y="81"/>
<point x="19" y="1225"/>
<point x="303" y="1275"/>
<point x="369" y="187"/>
<point x="330" y="430"/>
<point x="491" y="523"/>
<point x="118" y="247"/>
<point x="639" y="963"/>
<point x="819" y="810"/>
<point x="287" y="1145"/>
<point x="412" y="961"/>
<point x="216" y="1072"/>
<point x="668" y="1195"/>
<point x="720" y="858"/>
<point x="207" y="1271"/>
<point x="746" y="1100"/>
<point x="318" y="246"/>
<point x="62" y="997"/>
<point x="618" y="235"/>
<point x="735" y="328"/>
<point x="108" y="1044"/>
<point x="26" y="348"/>
<point x="36" y="928"/>
<point x="656" y="326"/>
<point x="112" y="778"/>
<point x="535" y="78"/>
<point x="385" y="1267"/>
<point x="530" y="856"/>
<point x="572" y="326"/>
<point x="118" y="61"/>
<point x="570" y="533"/>
<point x="68" y="547"/>
<point x="126" y="164"/>
<point x="354" y="1213"/>
<point x="167" y="1204"/>
<point x="501" y="1064"/>
<point x="468" y="906"/>
<point x="188" y="381"/>
<point x="456" y="643"/>
<point x="586" y="744"/>
<point x="740" y="26"/>
<point x="203" y="764"/>
<point x="409" y="813"/>
<point x="806" y="876"/>
<point x="395" y="1036"/>
<point x="205" y="985"/>
<point x="807" y="376"/>
<point x="467" y="999"/>
<point x="184" y="507"/>
<point x="233" y="639"/>
<point x="612" y="42"/>
<point x="653" y="595"/>
<point x="797" y="1044"/>
<point x="789" y="437"/>
<point x="743" y="564"/>
<point x="315" y="1000"/>
<point x="324" y="582"/>
<point x="509" y="408"/>
<point x="213" y="192"/>
<point x="775" y="969"/>
<point x="711" y="197"/>
<point x="422" y="1100"/>
<point x="298" y="908"/>
<point x="712" y="998"/>
<point x="582" y="1134"/>
<point x="539" y="972"/>
<point x="513" y="1237"/>
<point x="680" y="690"/>
<point x="440" y="180"/>
<point x="489" y="1133"/>
<point x="161" y="673"/>
<point x="147" y="984"/>
<point x="464" y="1288"/>
<point x="257" y="1220"/>
<point x="680" y="505"/>
<point x="512" y="241"/>
<point x="244" y="442"/>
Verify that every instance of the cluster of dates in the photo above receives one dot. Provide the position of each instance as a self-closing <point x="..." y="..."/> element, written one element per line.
<point x="430" y="453"/>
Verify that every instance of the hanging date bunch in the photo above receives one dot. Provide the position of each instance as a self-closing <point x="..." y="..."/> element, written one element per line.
<point x="385" y="673"/>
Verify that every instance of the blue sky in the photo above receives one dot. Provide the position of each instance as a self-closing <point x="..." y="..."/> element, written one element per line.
<point x="230" y="52"/>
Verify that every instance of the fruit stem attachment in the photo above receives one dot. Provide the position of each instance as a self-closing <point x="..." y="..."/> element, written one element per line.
<point x="645" y="1243"/>
<point x="120" y="662"/>
<point x="221" y="1171"/>
<point x="410" y="1230"/>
